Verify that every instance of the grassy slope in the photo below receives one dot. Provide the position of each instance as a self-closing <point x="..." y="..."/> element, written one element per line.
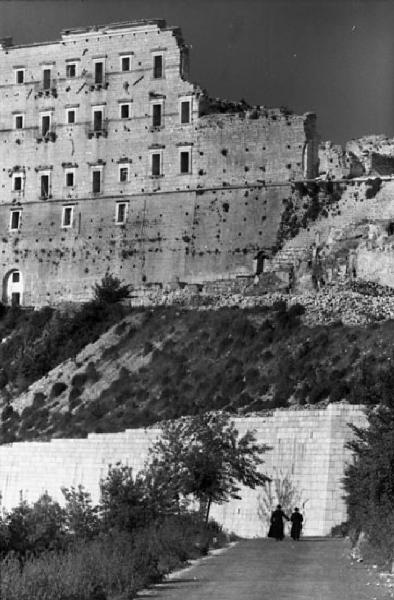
<point x="168" y="362"/>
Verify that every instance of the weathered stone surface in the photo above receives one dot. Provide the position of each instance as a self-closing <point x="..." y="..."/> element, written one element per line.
<point x="203" y="224"/>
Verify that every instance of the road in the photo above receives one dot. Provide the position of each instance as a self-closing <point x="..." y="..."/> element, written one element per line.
<point x="262" y="569"/>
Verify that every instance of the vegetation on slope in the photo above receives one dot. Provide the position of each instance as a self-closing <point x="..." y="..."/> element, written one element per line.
<point x="184" y="362"/>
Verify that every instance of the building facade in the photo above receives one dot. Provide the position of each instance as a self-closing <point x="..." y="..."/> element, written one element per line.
<point x="111" y="160"/>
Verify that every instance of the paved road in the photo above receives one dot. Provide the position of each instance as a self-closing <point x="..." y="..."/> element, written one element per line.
<point x="312" y="569"/>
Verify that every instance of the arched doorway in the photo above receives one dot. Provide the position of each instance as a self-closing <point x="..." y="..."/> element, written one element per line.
<point x="13" y="288"/>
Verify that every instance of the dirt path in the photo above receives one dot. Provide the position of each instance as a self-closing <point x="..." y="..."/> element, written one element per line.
<point x="312" y="569"/>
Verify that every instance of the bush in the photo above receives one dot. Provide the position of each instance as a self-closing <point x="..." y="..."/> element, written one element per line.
<point x="110" y="290"/>
<point x="58" y="388"/>
<point x="341" y="530"/>
<point x="369" y="481"/>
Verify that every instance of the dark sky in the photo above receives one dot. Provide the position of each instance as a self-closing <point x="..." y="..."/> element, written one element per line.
<point x="335" y="57"/>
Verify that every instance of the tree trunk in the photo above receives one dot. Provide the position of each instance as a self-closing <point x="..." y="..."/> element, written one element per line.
<point x="208" y="509"/>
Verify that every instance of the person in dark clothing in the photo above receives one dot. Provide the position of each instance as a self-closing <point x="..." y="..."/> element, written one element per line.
<point x="276" y="528"/>
<point x="296" y="524"/>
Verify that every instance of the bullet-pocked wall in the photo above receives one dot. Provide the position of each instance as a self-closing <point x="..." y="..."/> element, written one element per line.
<point x="307" y="451"/>
<point x="112" y="160"/>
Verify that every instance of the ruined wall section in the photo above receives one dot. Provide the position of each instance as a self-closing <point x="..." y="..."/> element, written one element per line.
<point x="337" y="163"/>
<point x="266" y="145"/>
<point x="354" y="239"/>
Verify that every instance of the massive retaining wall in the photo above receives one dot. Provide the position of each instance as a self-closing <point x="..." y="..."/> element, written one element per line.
<point x="307" y="449"/>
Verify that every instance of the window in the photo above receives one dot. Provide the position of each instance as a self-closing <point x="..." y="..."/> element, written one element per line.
<point x="19" y="75"/>
<point x="185" y="111"/>
<point x="45" y="124"/>
<point x="156" y="164"/>
<point x="71" y="70"/>
<point x="15" y="277"/>
<point x="98" y="119"/>
<point x="96" y="181"/>
<point x="15" y="220"/>
<point x="157" y="66"/>
<point x="70" y="179"/>
<point x="98" y="71"/>
<point x="123" y="173"/>
<point x="17" y="182"/>
<point x="121" y="213"/>
<point x="125" y="63"/>
<point x="125" y="111"/>
<point x="44" y="186"/>
<point x="18" y="121"/>
<point x="156" y="115"/>
<point x="67" y="216"/>
<point x="46" y="79"/>
<point x="70" y="115"/>
<point x="185" y="162"/>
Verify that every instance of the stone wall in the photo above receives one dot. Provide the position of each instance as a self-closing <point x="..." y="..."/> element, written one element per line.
<point x="307" y="447"/>
<point x="200" y="221"/>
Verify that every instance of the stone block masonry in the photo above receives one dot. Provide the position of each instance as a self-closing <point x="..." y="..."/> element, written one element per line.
<point x="308" y="448"/>
<point x="113" y="161"/>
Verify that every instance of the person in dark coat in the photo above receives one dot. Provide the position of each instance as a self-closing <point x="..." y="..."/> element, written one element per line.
<point x="296" y="524"/>
<point x="276" y="528"/>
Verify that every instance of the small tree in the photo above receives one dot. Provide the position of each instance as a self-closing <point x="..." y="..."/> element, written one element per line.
<point x="204" y="456"/>
<point x="124" y="503"/>
<point x="369" y="480"/>
<point x="110" y="290"/>
<point x="81" y="517"/>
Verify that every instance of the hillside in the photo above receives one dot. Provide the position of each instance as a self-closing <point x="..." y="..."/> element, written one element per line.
<point x="154" y="364"/>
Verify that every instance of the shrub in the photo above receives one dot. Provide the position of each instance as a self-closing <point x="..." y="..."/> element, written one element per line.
<point x="369" y="481"/>
<point x="58" y="388"/>
<point x="110" y="290"/>
<point x="79" y="380"/>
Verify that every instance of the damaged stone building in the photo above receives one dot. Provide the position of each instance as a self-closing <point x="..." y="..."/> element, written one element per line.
<point x="113" y="161"/>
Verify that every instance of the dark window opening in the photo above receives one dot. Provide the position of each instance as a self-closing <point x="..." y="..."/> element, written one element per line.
<point x="156" y="115"/>
<point x="44" y="186"/>
<point x="390" y="228"/>
<point x="70" y="179"/>
<point x="98" y="72"/>
<point x="156" y="164"/>
<point x="17" y="183"/>
<point x="185" y="112"/>
<point x="121" y="213"/>
<point x="71" y="70"/>
<point x="67" y="216"/>
<point x="71" y="116"/>
<point x="123" y="173"/>
<point x="15" y="299"/>
<point x="20" y="76"/>
<point x="45" y="124"/>
<point x="19" y="122"/>
<point x="15" y="277"/>
<point x="157" y="67"/>
<point x="124" y="111"/>
<point x="98" y="120"/>
<point x="15" y="219"/>
<point x="46" y="79"/>
<point x="96" y="182"/>
<point x="185" y="162"/>
<point x="126" y="63"/>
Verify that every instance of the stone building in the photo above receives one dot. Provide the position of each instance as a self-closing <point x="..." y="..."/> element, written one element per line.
<point x="111" y="160"/>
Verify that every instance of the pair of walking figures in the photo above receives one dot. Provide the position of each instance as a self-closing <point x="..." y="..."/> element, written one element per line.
<point x="277" y="528"/>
